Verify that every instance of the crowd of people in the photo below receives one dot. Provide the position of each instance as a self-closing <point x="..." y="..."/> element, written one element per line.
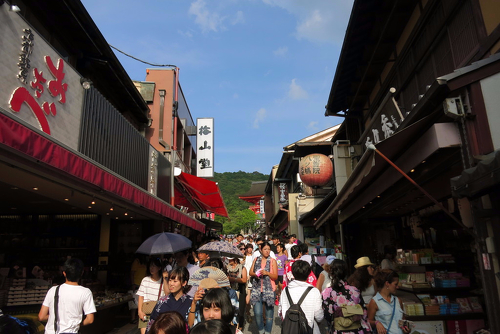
<point x="270" y="272"/>
<point x="263" y="274"/>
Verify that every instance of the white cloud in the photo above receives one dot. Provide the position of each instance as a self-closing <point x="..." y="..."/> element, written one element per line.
<point x="281" y="51"/>
<point x="211" y="20"/>
<point x="259" y="117"/>
<point x="296" y="92"/>
<point x="318" y="21"/>
<point x="312" y="126"/>
<point x="238" y="18"/>
<point x="208" y="21"/>
<point x="187" y="33"/>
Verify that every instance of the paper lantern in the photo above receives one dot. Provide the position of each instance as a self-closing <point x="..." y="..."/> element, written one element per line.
<point x="315" y="170"/>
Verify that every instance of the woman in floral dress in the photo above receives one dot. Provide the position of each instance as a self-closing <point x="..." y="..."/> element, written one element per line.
<point x="340" y="294"/>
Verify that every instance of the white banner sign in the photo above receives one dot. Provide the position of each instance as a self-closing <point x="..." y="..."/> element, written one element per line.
<point x="205" y="151"/>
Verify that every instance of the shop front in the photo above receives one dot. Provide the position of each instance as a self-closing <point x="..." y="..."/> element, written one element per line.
<point x="77" y="177"/>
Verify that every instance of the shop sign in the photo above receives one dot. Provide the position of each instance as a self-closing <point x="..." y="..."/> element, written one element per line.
<point x="38" y="87"/>
<point x="282" y="192"/>
<point x="205" y="143"/>
<point x="153" y="171"/>
<point x="384" y="123"/>
<point x="261" y="206"/>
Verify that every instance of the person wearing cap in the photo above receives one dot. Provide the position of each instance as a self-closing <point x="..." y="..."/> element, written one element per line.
<point x="362" y="278"/>
<point x="324" y="278"/>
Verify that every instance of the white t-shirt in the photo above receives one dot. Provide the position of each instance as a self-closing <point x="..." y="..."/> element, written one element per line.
<point x="288" y="247"/>
<point x="74" y="300"/>
<point x="149" y="289"/>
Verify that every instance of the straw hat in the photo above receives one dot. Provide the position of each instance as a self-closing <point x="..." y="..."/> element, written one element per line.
<point x="363" y="261"/>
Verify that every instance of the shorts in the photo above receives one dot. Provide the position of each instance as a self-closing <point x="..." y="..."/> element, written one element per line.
<point x="280" y="279"/>
<point x="143" y="324"/>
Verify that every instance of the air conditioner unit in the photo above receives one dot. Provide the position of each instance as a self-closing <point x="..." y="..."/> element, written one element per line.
<point x="453" y="107"/>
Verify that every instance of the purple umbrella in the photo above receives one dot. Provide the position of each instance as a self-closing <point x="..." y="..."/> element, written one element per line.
<point x="164" y="243"/>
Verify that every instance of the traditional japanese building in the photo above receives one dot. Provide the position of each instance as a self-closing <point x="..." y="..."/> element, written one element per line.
<point x="80" y="175"/>
<point x="419" y="81"/>
<point x="288" y="197"/>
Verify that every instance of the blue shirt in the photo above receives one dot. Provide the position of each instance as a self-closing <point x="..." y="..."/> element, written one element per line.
<point x="384" y="313"/>
<point x="169" y="303"/>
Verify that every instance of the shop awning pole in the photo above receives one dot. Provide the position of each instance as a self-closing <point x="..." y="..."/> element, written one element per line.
<point x="372" y="147"/>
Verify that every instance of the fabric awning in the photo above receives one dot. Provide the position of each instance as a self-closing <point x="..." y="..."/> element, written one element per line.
<point x="204" y="192"/>
<point x="477" y="180"/>
<point x="373" y="175"/>
<point x="37" y="146"/>
<point x="212" y="225"/>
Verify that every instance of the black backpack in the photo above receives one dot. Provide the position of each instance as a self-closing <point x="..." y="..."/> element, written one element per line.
<point x="295" y="321"/>
<point x="315" y="267"/>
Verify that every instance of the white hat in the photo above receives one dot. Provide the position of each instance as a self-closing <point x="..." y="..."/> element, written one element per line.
<point x="330" y="258"/>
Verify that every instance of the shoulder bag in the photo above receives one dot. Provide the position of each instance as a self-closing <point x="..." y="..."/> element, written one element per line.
<point x="149" y="306"/>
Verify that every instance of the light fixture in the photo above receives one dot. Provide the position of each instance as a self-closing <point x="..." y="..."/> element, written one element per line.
<point x="86" y="83"/>
<point x="111" y="209"/>
<point x="66" y="199"/>
<point x="90" y="207"/>
<point x="14" y="8"/>
<point x="35" y="188"/>
<point x="412" y="171"/>
<point x="126" y="214"/>
<point x="93" y="201"/>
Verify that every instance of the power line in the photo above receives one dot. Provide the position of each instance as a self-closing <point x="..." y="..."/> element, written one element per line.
<point x="142" y="61"/>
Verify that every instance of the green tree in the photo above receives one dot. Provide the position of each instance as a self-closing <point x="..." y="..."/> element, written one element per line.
<point x="232" y="184"/>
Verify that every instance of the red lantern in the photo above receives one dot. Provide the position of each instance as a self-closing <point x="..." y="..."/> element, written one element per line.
<point x="315" y="170"/>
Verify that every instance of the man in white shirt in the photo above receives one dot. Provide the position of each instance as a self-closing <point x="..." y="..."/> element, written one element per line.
<point x="74" y="302"/>
<point x="289" y="245"/>
<point x="312" y="304"/>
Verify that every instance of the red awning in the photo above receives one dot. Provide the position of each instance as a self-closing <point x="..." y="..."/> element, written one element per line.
<point x="204" y="192"/>
<point x="35" y="145"/>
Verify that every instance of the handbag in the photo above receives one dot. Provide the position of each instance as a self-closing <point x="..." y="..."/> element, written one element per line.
<point x="148" y="307"/>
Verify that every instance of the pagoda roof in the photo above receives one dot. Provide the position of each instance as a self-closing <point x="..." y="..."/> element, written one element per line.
<point x="257" y="190"/>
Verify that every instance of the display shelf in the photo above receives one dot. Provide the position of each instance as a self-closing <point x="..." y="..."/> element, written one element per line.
<point x="462" y="316"/>
<point x="436" y="290"/>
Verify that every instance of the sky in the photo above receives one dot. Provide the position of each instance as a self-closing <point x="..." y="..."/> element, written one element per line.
<point x="263" y="69"/>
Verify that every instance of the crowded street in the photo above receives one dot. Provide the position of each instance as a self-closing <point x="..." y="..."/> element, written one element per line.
<point x="249" y="167"/>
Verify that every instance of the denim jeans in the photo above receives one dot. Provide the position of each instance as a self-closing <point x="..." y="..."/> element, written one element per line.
<point x="257" y="310"/>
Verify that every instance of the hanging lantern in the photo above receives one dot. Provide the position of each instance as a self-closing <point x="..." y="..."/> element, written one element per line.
<point x="315" y="170"/>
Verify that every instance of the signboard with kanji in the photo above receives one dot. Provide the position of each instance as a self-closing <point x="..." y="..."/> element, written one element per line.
<point x="38" y="87"/>
<point x="205" y="147"/>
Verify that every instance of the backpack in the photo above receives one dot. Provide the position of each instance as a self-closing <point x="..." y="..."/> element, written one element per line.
<point x="295" y="321"/>
<point x="315" y="267"/>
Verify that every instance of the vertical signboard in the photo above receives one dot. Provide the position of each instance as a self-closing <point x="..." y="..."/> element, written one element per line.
<point x="38" y="87"/>
<point x="205" y="142"/>
<point x="261" y="207"/>
<point x="283" y="192"/>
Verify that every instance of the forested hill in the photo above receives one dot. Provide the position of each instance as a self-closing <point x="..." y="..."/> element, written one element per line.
<point x="231" y="185"/>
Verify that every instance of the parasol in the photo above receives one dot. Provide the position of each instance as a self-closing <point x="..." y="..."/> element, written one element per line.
<point x="164" y="243"/>
<point x="221" y="248"/>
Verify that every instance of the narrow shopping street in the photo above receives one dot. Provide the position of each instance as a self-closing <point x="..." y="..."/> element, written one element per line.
<point x="158" y="159"/>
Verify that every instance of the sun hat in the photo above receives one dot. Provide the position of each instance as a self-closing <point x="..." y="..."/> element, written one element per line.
<point x="330" y="258"/>
<point x="363" y="261"/>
